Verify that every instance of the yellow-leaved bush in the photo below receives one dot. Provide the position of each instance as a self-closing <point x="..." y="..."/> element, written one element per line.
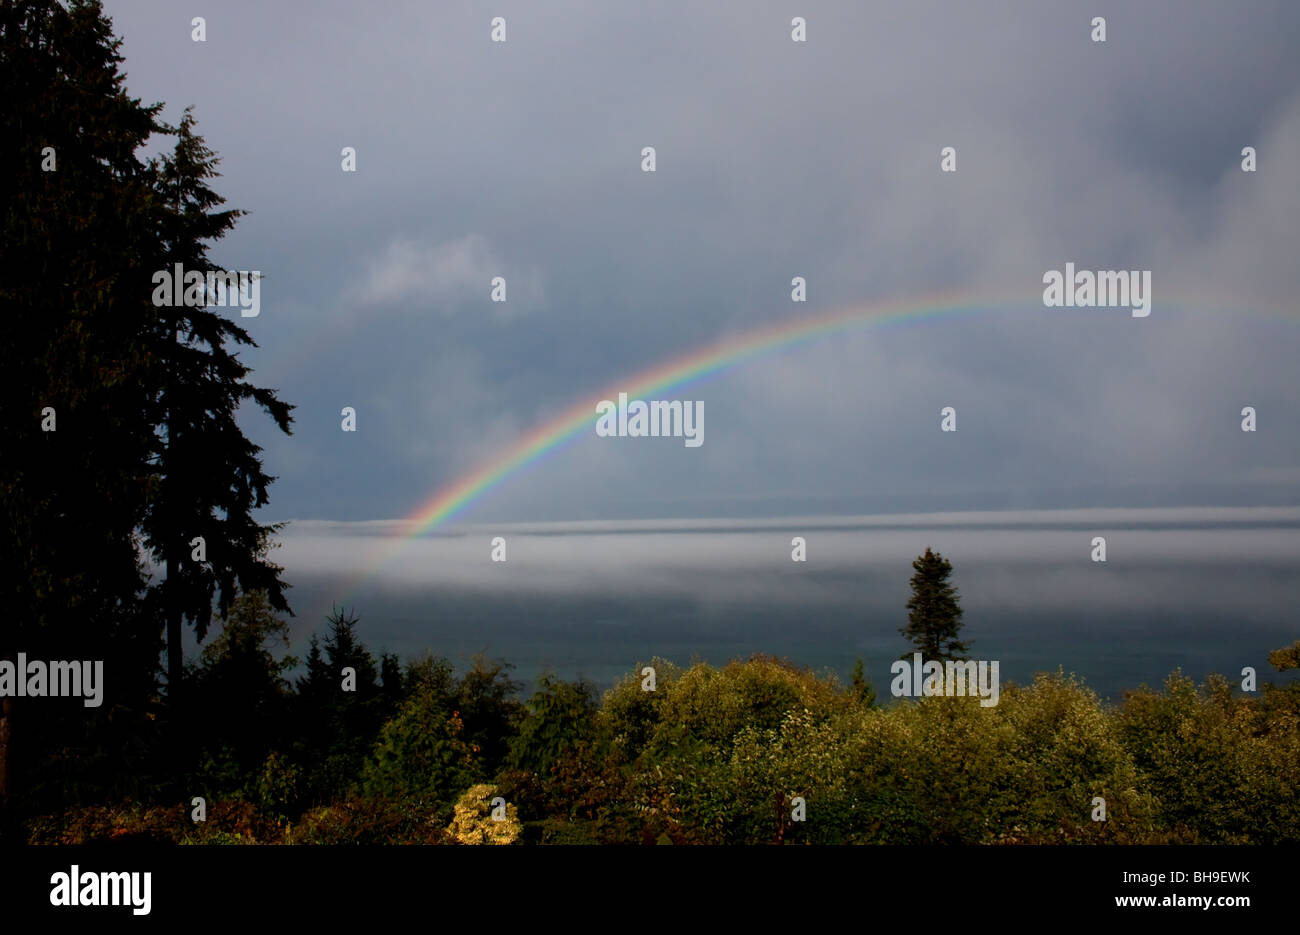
<point x="473" y="821"/>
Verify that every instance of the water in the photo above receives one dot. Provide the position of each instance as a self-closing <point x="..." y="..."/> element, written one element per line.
<point x="604" y="636"/>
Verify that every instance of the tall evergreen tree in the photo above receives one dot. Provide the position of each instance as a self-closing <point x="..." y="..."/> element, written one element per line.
<point x="118" y="416"/>
<point x="208" y="476"/>
<point x="78" y="219"/>
<point x="933" y="614"/>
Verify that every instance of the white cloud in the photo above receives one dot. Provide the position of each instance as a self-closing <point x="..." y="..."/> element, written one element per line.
<point x="448" y="275"/>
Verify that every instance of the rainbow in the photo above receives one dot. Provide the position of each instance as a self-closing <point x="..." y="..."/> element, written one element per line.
<point x="454" y="499"/>
<point x="693" y="367"/>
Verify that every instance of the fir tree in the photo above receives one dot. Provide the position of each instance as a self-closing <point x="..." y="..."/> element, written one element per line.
<point x="118" y="416"/>
<point x="241" y="680"/>
<point x="208" y="476"/>
<point x="339" y="727"/>
<point x="76" y="208"/>
<point x="934" y="616"/>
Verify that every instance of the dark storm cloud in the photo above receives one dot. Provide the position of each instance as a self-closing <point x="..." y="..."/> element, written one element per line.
<point x="775" y="159"/>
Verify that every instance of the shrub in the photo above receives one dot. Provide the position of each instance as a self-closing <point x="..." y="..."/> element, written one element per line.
<point x="369" y="820"/>
<point x="474" y="823"/>
<point x="421" y="756"/>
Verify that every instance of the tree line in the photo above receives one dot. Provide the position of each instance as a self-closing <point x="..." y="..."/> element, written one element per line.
<point x="369" y="749"/>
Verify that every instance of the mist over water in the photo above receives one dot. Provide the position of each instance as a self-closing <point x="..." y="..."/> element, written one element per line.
<point x="1207" y="590"/>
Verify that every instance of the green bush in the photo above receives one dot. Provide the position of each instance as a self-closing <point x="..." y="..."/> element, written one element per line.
<point x="559" y="715"/>
<point x="421" y="756"/>
<point x="1224" y="769"/>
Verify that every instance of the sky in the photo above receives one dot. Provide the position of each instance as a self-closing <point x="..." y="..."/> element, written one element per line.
<point x="774" y="159"/>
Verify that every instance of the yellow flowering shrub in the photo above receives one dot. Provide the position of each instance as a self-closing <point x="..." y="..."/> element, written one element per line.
<point x="473" y="821"/>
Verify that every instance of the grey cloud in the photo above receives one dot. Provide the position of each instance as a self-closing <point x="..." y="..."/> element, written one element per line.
<point x="776" y="159"/>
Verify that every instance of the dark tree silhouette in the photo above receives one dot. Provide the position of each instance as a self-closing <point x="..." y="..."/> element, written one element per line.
<point x="339" y="725"/>
<point x="118" y="416"/>
<point x="208" y="476"/>
<point x="933" y="614"/>
<point x="79" y="225"/>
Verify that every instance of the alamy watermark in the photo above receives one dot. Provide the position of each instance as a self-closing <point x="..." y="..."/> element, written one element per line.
<point x="1107" y="288"/>
<point x="956" y="677"/>
<point x="226" y="288"/>
<point x="656" y="418"/>
<point x="36" y="679"/>
<point x="88" y="888"/>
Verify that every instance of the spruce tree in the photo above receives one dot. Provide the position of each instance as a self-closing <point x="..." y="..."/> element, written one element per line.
<point x="78" y="219"/>
<point x="933" y="614"/>
<point x="118" y="416"/>
<point x="240" y="677"/>
<point x="338" y="727"/>
<point x="208" y="476"/>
